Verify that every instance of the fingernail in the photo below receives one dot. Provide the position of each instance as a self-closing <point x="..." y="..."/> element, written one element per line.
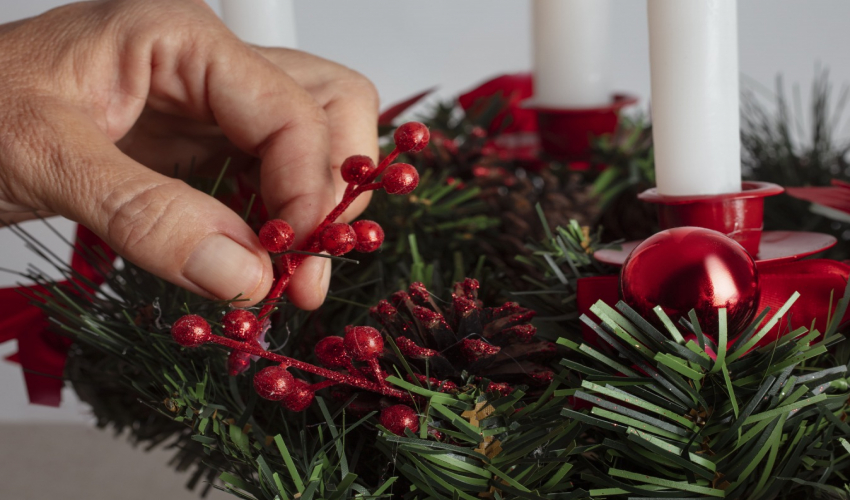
<point x="223" y="267"/>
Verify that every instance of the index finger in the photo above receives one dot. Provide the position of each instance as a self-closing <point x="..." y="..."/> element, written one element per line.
<point x="266" y="113"/>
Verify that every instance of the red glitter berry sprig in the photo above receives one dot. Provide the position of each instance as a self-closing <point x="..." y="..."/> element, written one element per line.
<point x="276" y="236"/>
<point x="397" y="418"/>
<point x="370" y="235"/>
<point x="243" y="331"/>
<point x="361" y="175"/>
<point x="412" y="137"/>
<point x="276" y="383"/>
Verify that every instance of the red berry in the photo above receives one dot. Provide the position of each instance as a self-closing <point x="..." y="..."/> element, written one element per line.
<point x="331" y="353"/>
<point x="412" y="137"/>
<point x="238" y="362"/>
<point x="191" y="331"/>
<point x="357" y="169"/>
<point x="276" y="236"/>
<point x="240" y="324"/>
<point x="300" y="398"/>
<point x="338" y="239"/>
<point x="370" y="235"/>
<point x="397" y="418"/>
<point x="274" y="383"/>
<point x="400" y="178"/>
<point x="363" y="342"/>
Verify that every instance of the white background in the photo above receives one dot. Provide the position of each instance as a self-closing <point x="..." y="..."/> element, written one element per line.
<point x="406" y="46"/>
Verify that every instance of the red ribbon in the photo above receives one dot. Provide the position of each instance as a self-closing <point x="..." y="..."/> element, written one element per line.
<point x="388" y="115"/>
<point x="514" y="89"/>
<point x="41" y="352"/>
<point x="836" y="196"/>
<point x="817" y="280"/>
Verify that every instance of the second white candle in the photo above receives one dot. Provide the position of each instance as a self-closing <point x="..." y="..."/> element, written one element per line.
<point x="571" y="39"/>
<point x="270" y="23"/>
<point x="695" y="114"/>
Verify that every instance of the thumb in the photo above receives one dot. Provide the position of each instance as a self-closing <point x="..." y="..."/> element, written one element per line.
<point x="160" y="224"/>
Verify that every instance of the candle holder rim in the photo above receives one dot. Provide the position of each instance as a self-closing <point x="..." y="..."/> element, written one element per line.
<point x="782" y="246"/>
<point x="618" y="101"/>
<point x="749" y="189"/>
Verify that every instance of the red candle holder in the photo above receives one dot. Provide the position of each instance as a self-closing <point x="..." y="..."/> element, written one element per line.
<point x="565" y="133"/>
<point x="739" y="216"/>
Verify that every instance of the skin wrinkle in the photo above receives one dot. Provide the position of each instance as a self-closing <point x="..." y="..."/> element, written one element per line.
<point x="28" y="139"/>
<point x="127" y="90"/>
<point x="140" y="211"/>
<point x="288" y="170"/>
<point x="311" y="113"/>
<point x="181" y="96"/>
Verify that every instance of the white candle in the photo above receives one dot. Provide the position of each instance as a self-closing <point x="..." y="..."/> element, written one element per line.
<point x="693" y="48"/>
<point x="571" y="39"/>
<point x="270" y="23"/>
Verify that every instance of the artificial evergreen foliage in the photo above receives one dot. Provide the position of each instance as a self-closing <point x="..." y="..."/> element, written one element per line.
<point x="640" y="413"/>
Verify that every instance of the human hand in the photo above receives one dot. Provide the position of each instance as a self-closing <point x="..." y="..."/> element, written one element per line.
<point x="100" y="99"/>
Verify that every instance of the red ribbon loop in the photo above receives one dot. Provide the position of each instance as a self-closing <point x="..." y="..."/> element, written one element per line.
<point x="42" y="352"/>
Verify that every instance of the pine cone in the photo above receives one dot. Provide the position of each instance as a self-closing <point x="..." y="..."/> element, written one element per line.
<point x="560" y="199"/>
<point x="628" y="151"/>
<point x="466" y="339"/>
<point x="512" y="181"/>
<point x="628" y="218"/>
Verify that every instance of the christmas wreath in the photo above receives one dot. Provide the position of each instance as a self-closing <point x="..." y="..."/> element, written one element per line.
<point x="469" y="358"/>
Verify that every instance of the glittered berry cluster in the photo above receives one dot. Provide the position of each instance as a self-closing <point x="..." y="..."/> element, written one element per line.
<point x="357" y="353"/>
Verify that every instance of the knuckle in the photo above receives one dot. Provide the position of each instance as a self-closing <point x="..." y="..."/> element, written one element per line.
<point x="163" y="20"/>
<point x="361" y="88"/>
<point x="313" y="114"/>
<point x="320" y="117"/>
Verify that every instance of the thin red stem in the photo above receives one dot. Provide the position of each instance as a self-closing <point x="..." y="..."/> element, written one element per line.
<point x="276" y="291"/>
<point x="369" y="187"/>
<point x="311" y="244"/>
<point x="340" y="378"/>
<point x="352" y="369"/>
<point x="376" y="369"/>
<point x="321" y="385"/>
<point x="383" y="165"/>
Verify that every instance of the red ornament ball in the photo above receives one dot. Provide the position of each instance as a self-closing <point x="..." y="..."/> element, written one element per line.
<point x="330" y="352"/>
<point x="300" y="398"/>
<point x="692" y="268"/>
<point x="191" y="331"/>
<point x="274" y="383"/>
<point x="363" y="342"/>
<point x="397" y="418"/>
<point x="357" y="169"/>
<point x="276" y="236"/>
<point x="400" y="178"/>
<point x="370" y="235"/>
<point x="240" y="324"/>
<point x="411" y="137"/>
<point x="338" y="238"/>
